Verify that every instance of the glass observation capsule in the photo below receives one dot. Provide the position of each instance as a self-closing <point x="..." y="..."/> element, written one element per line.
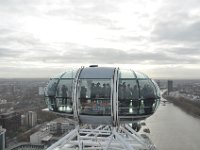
<point x="103" y="95"/>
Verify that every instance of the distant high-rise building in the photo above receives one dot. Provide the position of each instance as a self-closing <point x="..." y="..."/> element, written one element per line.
<point x="41" y="91"/>
<point x="10" y="120"/>
<point x="60" y="126"/>
<point x="30" y="118"/>
<point x="2" y="138"/>
<point x="23" y="120"/>
<point x="169" y="86"/>
<point x="39" y="136"/>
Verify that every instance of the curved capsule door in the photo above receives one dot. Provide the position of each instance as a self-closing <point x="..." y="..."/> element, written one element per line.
<point x="95" y="95"/>
<point x="138" y="96"/>
<point x="59" y="92"/>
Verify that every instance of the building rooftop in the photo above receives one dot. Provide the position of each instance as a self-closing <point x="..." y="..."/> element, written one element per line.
<point x="47" y="138"/>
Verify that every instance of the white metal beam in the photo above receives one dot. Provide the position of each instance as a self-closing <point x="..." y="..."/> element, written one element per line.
<point x="101" y="137"/>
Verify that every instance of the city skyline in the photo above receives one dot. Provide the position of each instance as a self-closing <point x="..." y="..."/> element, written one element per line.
<point x="42" y="38"/>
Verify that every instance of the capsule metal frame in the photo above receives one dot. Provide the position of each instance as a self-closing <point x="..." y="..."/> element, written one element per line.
<point x="113" y="106"/>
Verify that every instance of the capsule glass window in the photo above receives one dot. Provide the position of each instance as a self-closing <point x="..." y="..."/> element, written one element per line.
<point x="64" y="95"/>
<point x="148" y="96"/>
<point x="128" y="93"/>
<point x="65" y="90"/>
<point x="95" y="96"/>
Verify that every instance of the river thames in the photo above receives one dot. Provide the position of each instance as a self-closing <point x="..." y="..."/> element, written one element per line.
<point x="173" y="129"/>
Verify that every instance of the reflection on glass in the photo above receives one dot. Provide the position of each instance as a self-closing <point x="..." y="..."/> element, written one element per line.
<point x="126" y="74"/>
<point x="47" y="100"/>
<point x="59" y="92"/>
<point x="157" y="88"/>
<point x="148" y="94"/>
<point x="128" y="95"/>
<point x="136" y="96"/>
<point x="94" y="96"/>
<point x="69" y="74"/>
<point x="50" y="94"/>
<point x="52" y="87"/>
<point x="140" y="75"/>
<point x="64" y="95"/>
<point x="147" y="89"/>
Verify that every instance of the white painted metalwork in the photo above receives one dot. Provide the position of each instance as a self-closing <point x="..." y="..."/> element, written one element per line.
<point x="74" y="98"/>
<point x="103" y="137"/>
<point x="114" y="101"/>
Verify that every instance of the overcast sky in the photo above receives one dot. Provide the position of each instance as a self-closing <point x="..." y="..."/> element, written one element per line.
<point x="40" y="38"/>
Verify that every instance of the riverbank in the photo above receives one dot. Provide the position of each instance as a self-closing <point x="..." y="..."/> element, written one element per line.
<point x="172" y="128"/>
<point x="187" y="105"/>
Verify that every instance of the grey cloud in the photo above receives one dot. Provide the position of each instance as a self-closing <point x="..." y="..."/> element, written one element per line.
<point x="174" y="31"/>
<point x="180" y="55"/>
<point x="5" y="53"/>
<point x="88" y="12"/>
<point x="24" y="41"/>
<point x="174" y="22"/>
<point x="5" y="31"/>
<point x="109" y="55"/>
<point x="18" y="39"/>
<point x="19" y="7"/>
<point x="187" y="51"/>
<point x="96" y="7"/>
<point x="132" y="38"/>
<point x="113" y="56"/>
<point x="89" y="7"/>
<point x="29" y="72"/>
<point x="176" y="72"/>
